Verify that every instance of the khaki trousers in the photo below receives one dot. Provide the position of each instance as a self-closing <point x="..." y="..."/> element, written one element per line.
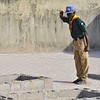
<point x="81" y="59"/>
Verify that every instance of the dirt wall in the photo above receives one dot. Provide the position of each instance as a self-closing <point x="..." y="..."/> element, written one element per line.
<point x="35" y="26"/>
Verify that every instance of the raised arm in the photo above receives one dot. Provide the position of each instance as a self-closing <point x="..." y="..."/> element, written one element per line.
<point x="63" y="18"/>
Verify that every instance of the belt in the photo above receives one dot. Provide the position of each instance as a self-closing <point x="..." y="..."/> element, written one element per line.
<point x="79" y="38"/>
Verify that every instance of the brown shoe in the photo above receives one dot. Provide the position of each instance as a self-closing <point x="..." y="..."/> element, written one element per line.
<point x="77" y="81"/>
<point x="81" y="82"/>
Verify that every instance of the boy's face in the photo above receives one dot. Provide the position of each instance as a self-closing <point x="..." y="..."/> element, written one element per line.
<point x="70" y="15"/>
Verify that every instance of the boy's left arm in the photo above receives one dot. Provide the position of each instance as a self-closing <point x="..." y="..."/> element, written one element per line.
<point x="87" y="47"/>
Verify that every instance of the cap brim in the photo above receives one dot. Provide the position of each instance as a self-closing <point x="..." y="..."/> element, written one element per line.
<point x="69" y="12"/>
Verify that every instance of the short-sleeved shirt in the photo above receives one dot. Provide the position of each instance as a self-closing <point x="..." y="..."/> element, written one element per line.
<point x="78" y="27"/>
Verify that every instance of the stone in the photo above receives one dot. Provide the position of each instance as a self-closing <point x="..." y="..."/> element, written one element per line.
<point x="69" y="93"/>
<point x="48" y="83"/>
<point x="52" y="95"/>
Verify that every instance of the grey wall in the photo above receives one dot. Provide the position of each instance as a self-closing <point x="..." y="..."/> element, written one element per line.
<point x="35" y="26"/>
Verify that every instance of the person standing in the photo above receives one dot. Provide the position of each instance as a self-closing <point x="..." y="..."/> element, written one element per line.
<point x="81" y="43"/>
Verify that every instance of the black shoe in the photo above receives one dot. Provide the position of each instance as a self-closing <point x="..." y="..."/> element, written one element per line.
<point x="81" y="82"/>
<point x="77" y="81"/>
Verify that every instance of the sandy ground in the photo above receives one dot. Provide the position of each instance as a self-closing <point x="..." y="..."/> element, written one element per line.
<point x="59" y="66"/>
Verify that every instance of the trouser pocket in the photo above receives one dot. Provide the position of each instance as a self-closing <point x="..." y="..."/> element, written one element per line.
<point x="79" y="45"/>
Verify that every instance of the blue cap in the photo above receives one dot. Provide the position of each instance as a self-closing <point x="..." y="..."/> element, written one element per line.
<point x="70" y="9"/>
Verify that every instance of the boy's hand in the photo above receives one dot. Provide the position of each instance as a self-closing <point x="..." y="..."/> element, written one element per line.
<point x="61" y="13"/>
<point x="87" y="48"/>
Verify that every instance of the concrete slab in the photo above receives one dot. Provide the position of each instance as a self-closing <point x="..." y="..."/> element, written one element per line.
<point x="58" y="66"/>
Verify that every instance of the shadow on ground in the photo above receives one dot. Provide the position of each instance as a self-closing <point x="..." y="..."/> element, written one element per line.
<point x="56" y="81"/>
<point x="5" y="98"/>
<point x="94" y="76"/>
<point x="25" y="77"/>
<point x="89" y="94"/>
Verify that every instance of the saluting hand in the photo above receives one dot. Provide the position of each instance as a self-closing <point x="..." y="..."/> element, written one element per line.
<point x="61" y="13"/>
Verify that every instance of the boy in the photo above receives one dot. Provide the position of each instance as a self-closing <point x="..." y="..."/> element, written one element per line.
<point x="80" y="43"/>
